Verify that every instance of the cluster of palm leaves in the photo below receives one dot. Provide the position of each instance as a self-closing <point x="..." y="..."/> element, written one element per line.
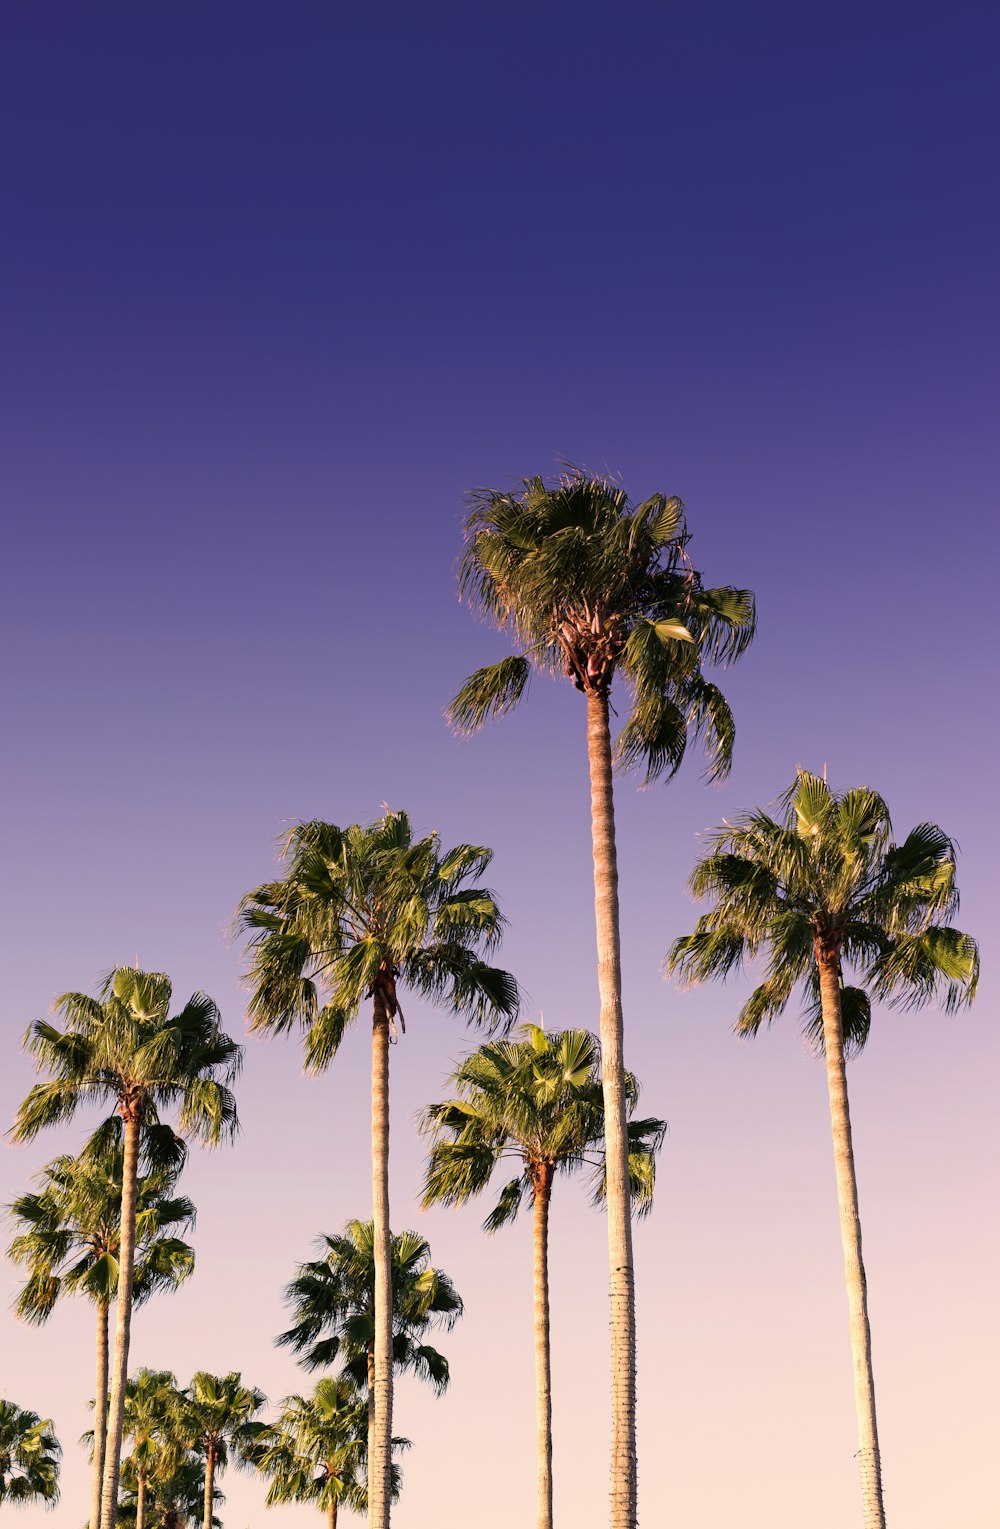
<point x="596" y="589"/>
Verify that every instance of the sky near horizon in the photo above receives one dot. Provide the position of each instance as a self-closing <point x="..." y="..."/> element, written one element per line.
<point x="281" y="283"/>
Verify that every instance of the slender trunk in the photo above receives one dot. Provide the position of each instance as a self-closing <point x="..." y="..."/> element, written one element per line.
<point x="542" y="1183"/>
<point x="331" y="1515"/>
<point x="140" y="1505"/>
<point x="123" y="1322"/>
<point x="379" y="1463"/>
<point x="624" y="1495"/>
<point x="100" y="1416"/>
<point x="209" y="1484"/>
<point x="850" y="1232"/>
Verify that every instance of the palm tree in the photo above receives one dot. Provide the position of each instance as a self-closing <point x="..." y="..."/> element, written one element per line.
<point x="823" y="886"/>
<point x="315" y="1448"/>
<point x="29" y="1457"/>
<point x="123" y="1049"/>
<point x="153" y="1412"/>
<point x="69" y="1241"/>
<point x="360" y="913"/>
<point x="333" y="1300"/>
<point x="591" y="587"/>
<point x="538" y="1102"/>
<point x="219" y="1417"/>
<point x="175" y="1495"/>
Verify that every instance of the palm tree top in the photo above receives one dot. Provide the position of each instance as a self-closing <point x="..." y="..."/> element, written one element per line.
<point x="826" y="880"/>
<point x="588" y="585"/>
<point x="29" y="1457"/>
<point x="333" y="1299"/>
<point x="364" y="911"/>
<point x="70" y="1230"/>
<point x="123" y="1048"/>
<point x="535" y="1098"/>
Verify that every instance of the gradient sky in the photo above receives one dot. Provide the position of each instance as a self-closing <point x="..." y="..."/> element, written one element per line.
<point x="280" y="283"/>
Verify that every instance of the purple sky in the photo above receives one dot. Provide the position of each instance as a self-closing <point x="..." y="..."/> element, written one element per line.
<point x="279" y="285"/>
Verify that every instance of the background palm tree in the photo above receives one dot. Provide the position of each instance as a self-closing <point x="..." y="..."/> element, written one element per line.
<point x="361" y="913"/>
<point x="29" y="1457"/>
<point x="123" y="1049"/>
<point x="220" y="1419"/>
<point x="538" y="1102"/>
<point x="315" y="1451"/>
<point x="821" y="887"/>
<point x="154" y="1409"/>
<point x="70" y="1230"/>
<point x="175" y="1497"/>
<point x="333" y="1301"/>
<point x="592" y="587"/>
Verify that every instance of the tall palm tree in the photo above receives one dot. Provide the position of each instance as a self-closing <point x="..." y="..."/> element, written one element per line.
<point x="333" y="1302"/>
<point x="69" y="1239"/>
<point x="315" y="1449"/>
<point x="823" y="886"/>
<point x="124" y="1050"/>
<point x="219" y="1419"/>
<point x="361" y="913"/>
<point x="29" y="1458"/>
<point x="594" y="588"/>
<point x="539" y="1103"/>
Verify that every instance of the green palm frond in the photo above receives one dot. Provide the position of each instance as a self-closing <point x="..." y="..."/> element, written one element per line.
<point x="827" y="882"/>
<point x="588" y="585"/>
<point x="538" y="1100"/>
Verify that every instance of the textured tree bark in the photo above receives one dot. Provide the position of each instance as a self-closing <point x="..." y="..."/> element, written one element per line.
<point x="331" y="1516"/>
<point x="140" y="1505"/>
<point x="209" y="1485"/>
<point x="624" y="1494"/>
<point x="869" y="1459"/>
<point x="100" y="1416"/>
<point x="542" y="1177"/>
<point x="379" y="1462"/>
<point x="123" y="1322"/>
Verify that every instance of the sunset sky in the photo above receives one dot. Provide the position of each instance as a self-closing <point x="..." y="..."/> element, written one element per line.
<point x="280" y="284"/>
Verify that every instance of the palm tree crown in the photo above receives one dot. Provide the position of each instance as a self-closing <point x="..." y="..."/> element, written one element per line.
<point x="123" y="1049"/>
<point x="315" y="1450"/>
<point x="361" y="912"/>
<point x="333" y="1300"/>
<point x="537" y="1101"/>
<point x="590" y="585"/>
<point x="70" y="1231"/>
<point x="827" y="882"/>
<point x="29" y="1457"/>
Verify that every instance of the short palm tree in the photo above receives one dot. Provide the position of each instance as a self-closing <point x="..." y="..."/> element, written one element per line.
<point x="175" y="1495"/>
<point x="823" y="887"/>
<point x="594" y="588"/>
<point x="124" y="1050"/>
<point x="29" y="1458"/>
<point x="219" y="1419"/>
<point x="333" y="1302"/>
<point x="316" y="1448"/>
<point x="68" y="1241"/>
<point x="154" y="1409"/>
<point x="537" y="1102"/>
<point x="361" y="913"/>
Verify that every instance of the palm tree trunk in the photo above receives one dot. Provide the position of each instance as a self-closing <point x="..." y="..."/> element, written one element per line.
<point x="100" y="1416"/>
<point x="869" y="1459"/>
<point x="140" y="1505"/>
<point x="123" y="1322"/>
<point x="331" y="1517"/>
<point x="624" y="1495"/>
<point x="542" y="1184"/>
<point x="379" y="1461"/>
<point x="209" y="1485"/>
